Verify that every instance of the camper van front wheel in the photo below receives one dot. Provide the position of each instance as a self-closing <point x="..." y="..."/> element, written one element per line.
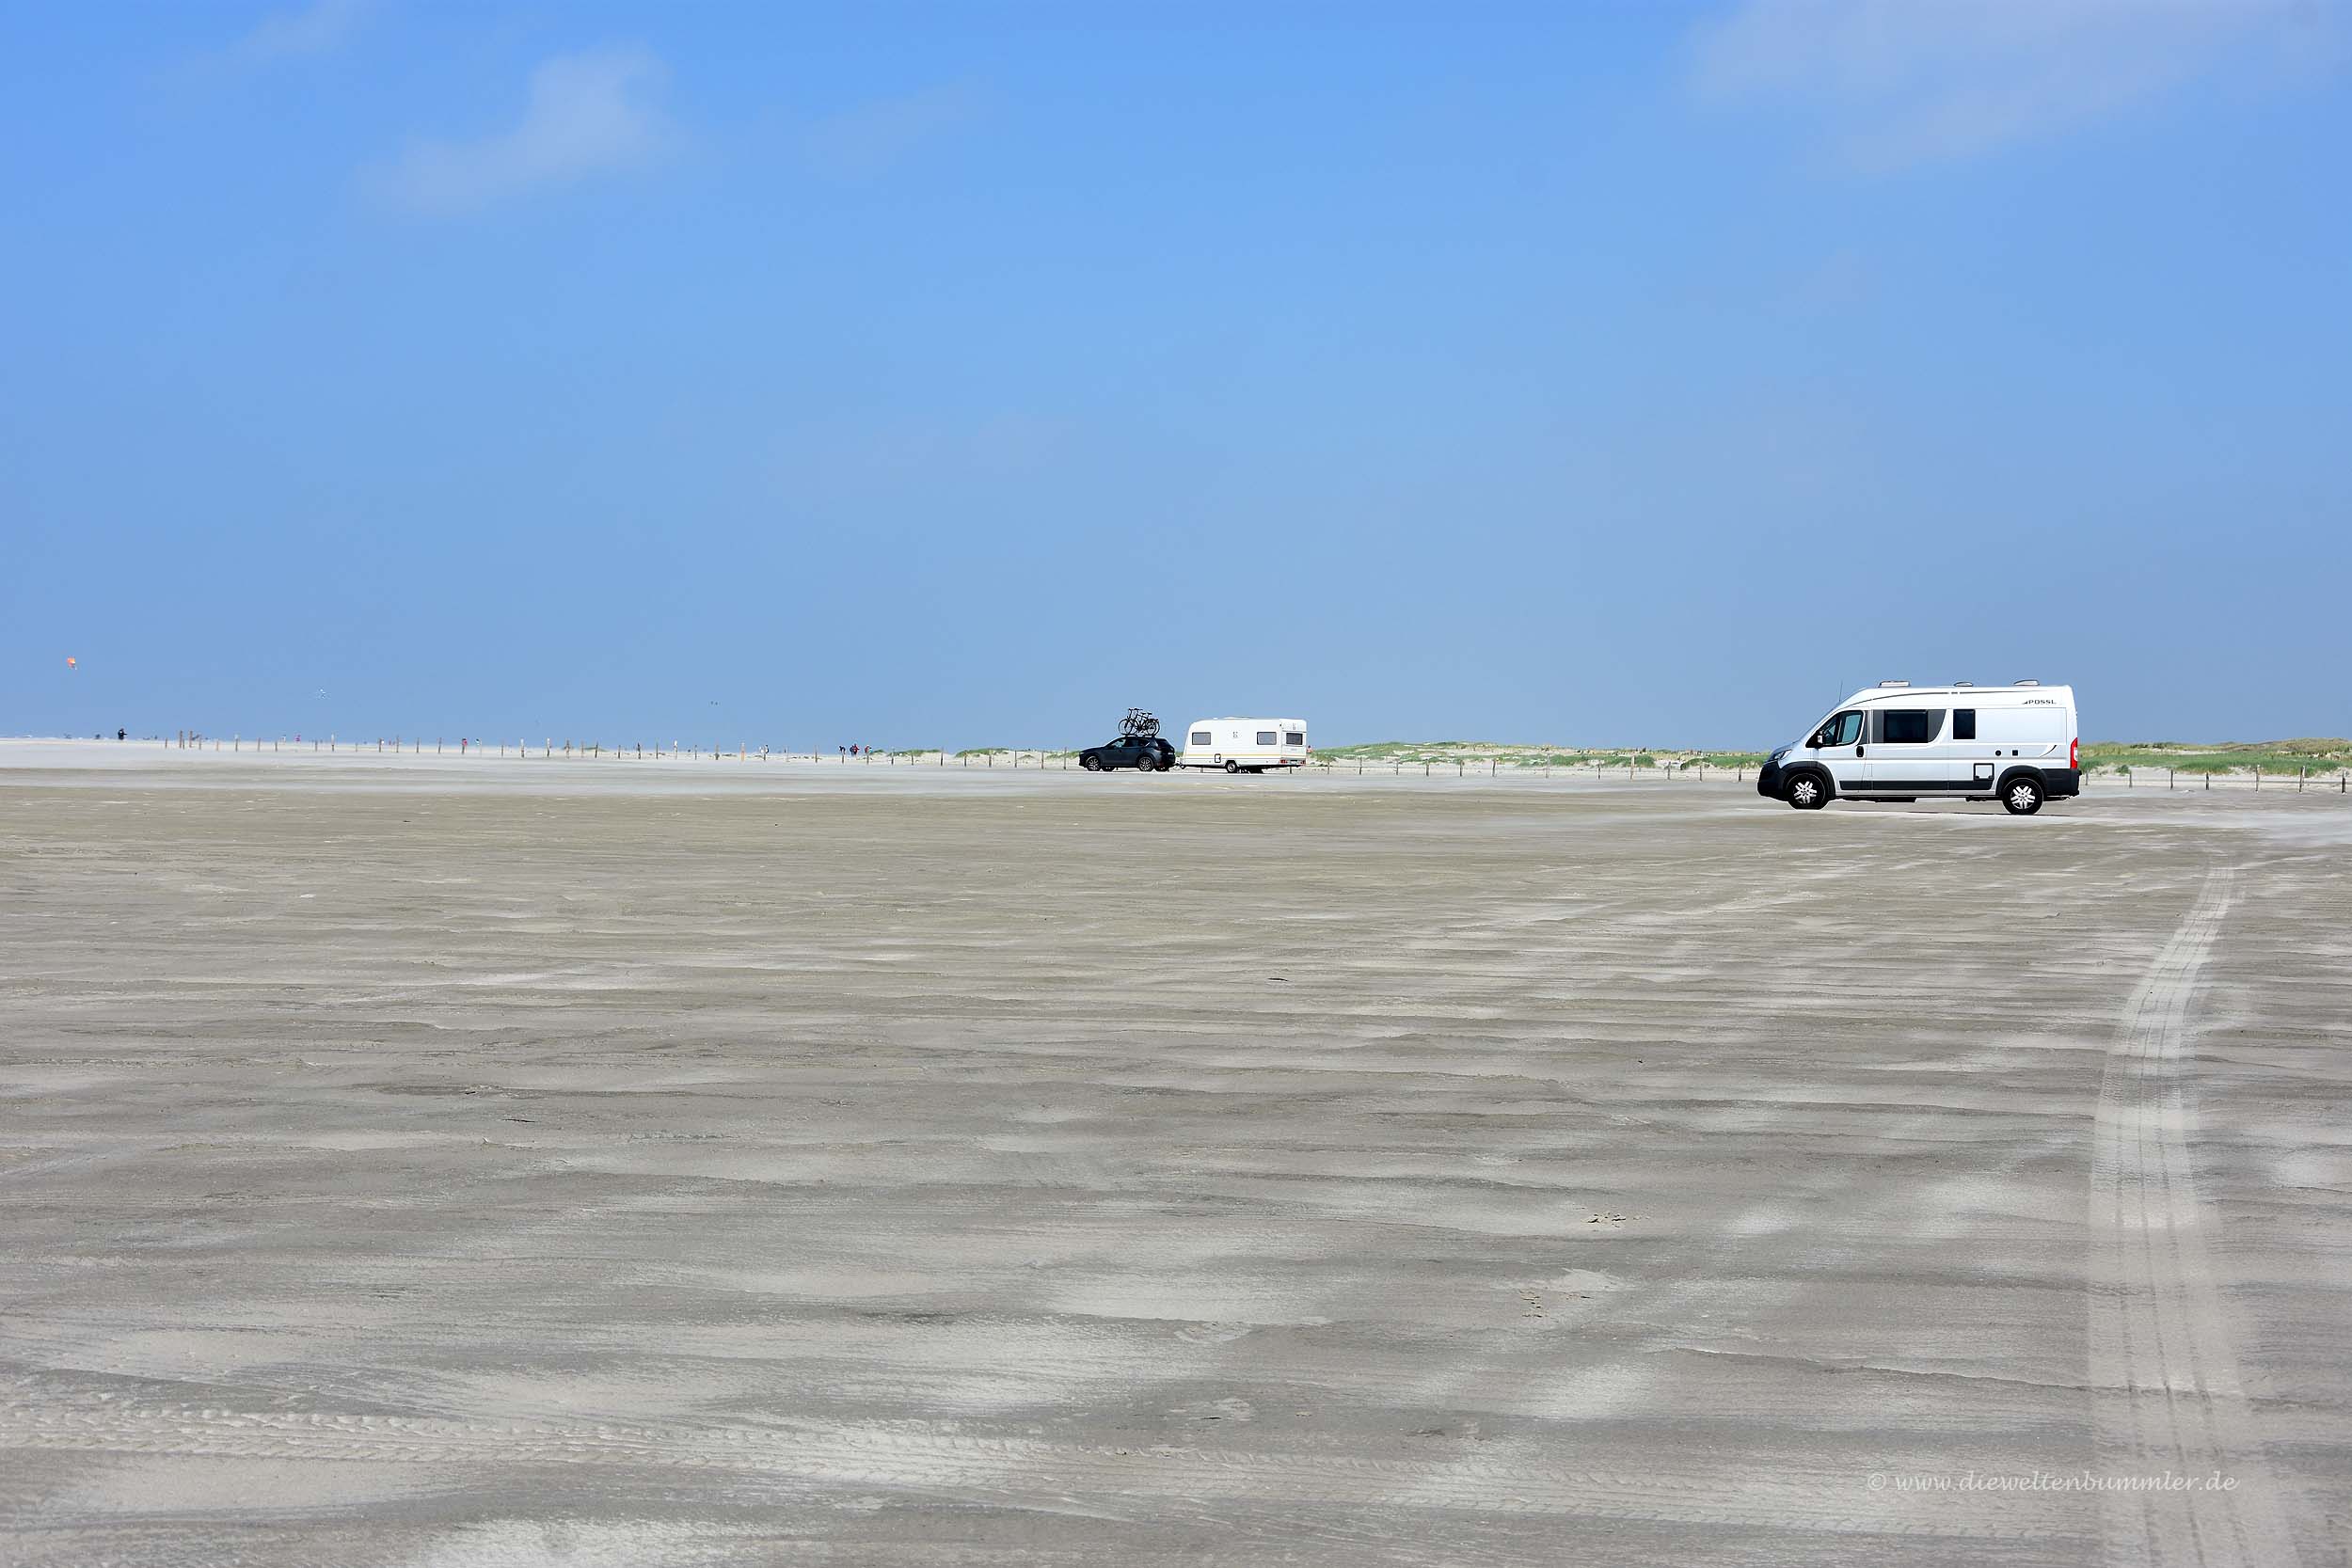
<point x="2021" y="794"/>
<point x="1807" y="792"/>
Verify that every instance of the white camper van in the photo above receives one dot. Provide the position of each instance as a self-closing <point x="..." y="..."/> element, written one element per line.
<point x="1245" y="745"/>
<point x="2015" y="744"/>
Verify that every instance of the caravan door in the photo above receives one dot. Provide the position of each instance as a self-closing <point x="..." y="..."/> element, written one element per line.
<point x="1908" y="754"/>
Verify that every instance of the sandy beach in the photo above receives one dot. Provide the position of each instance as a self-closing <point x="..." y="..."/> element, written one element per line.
<point x="427" y="1161"/>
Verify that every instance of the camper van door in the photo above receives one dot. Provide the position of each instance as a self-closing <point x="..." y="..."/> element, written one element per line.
<point x="1907" y="755"/>
<point x="1842" y="746"/>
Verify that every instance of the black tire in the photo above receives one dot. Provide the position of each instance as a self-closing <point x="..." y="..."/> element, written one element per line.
<point x="1231" y="767"/>
<point x="1809" y="791"/>
<point x="1091" y="763"/>
<point x="1147" y="762"/>
<point x="2022" y="794"/>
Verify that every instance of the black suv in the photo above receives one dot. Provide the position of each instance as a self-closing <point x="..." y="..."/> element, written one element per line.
<point x="1145" y="753"/>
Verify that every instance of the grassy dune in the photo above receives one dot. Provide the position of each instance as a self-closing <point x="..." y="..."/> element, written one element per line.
<point x="2318" y="755"/>
<point x="1515" y="755"/>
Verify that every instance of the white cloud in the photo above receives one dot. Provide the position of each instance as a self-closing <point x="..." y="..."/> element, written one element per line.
<point x="1903" y="81"/>
<point x="307" y="33"/>
<point x="588" y="114"/>
<point x="864" y="142"/>
<point x="313" y="30"/>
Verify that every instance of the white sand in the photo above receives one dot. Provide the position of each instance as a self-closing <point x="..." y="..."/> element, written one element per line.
<point x="444" y="1162"/>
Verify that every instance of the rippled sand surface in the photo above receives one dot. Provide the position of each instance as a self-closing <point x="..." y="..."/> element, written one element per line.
<point x="439" y="1162"/>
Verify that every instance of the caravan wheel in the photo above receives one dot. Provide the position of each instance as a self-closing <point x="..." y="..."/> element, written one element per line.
<point x="1231" y="767"/>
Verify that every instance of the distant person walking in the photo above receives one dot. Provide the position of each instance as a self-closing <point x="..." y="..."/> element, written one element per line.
<point x="120" y="734"/>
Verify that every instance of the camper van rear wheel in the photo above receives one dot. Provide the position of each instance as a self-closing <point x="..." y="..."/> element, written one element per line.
<point x="1807" y="793"/>
<point x="1231" y="767"/>
<point x="2021" y="794"/>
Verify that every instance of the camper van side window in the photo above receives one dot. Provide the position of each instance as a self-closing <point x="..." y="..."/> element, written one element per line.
<point x="1265" y="737"/>
<point x="1199" y="737"/>
<point x="1908" y="726"/>
<point x="1963" y="723"/>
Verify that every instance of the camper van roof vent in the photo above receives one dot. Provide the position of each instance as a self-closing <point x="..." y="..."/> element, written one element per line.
<point x="2028" y="683"/>
<point x="1894" y="682"/>
<point x="1956" y="685"/>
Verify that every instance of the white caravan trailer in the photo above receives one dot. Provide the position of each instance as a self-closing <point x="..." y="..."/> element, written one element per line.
<point x="2015" y="744"/>
<point x="1245" y="745"/>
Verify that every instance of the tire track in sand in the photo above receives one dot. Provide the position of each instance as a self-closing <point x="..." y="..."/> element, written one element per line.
<point x="2166" y="1379"/>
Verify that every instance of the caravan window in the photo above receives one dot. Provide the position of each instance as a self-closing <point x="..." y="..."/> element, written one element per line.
<point x="1265" y="737"/>
<point x="1199" y="737"/>
<point x="1294" y="737"/>
<point x="1909" y="726"/>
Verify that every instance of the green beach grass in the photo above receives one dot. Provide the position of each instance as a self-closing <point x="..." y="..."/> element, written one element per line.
<point x="1514" y="754"/>
<point x="2316" y="755"/>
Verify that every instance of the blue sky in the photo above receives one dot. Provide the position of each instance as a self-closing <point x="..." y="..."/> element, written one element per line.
<point x="913" y="375"/>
